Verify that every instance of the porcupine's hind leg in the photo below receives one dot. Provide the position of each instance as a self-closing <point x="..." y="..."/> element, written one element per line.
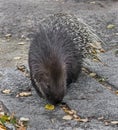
<point x="75" y="70"/>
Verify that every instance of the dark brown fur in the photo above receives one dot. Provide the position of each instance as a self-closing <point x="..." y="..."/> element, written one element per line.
<point x="54" y="61"/>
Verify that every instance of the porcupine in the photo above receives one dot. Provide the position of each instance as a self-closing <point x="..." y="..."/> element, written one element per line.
<point x="56" y="54"/>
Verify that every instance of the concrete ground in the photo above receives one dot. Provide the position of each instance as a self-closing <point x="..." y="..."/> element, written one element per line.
<point x="88" y="96"/>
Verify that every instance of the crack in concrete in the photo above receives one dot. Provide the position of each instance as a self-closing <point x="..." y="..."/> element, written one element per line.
<point x="101" y="80"/>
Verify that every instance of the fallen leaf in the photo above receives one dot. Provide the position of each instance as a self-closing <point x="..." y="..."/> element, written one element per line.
<point x="4" y="119"/>
<point x="24" y="94"/>
<point x="74" y="112"/>
<point x="95" y="60"/>
<point x="64" y="106"/>
<point x="114" y="122"/>
<point x="102" y="50"/>
<point x="100" y="118"/>
<point x="21" y="67"/>
<point x="17" y="58"/>
<point x="2" y="113"/>
<point x="75" y="116"/>
<point x="68" y="111"/>
<point x="116" y="92"/>
<point x="107" y="123"/>
<point x="6" y="91"/>
<point x="92" y="2"/>
<point x="110" y="26"/>
<point x="67" y="117"/>
<point x="49" y="107"/>
<point x="110" y="88"/>
<point x="24" y="119"/>
<point x="8" y="35"/>
<point x="22" y="128"/>
<point x="92" y="74"/>
<point x="2" y="127"/>
<point x="101" y="79"/>
<point x="21" y="43"/>
<point x="81" y="120"/>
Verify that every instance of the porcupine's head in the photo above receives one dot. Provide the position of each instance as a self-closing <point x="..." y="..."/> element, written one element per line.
<point x="51" y="81"/>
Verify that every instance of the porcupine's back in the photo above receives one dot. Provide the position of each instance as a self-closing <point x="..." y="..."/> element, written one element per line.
<point x="83" y="37"/>
<point x="56" y="54"/>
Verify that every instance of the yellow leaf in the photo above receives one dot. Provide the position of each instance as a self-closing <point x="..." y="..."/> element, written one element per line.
<point x="49" y="107"/>
<point x="110" y="26"/>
